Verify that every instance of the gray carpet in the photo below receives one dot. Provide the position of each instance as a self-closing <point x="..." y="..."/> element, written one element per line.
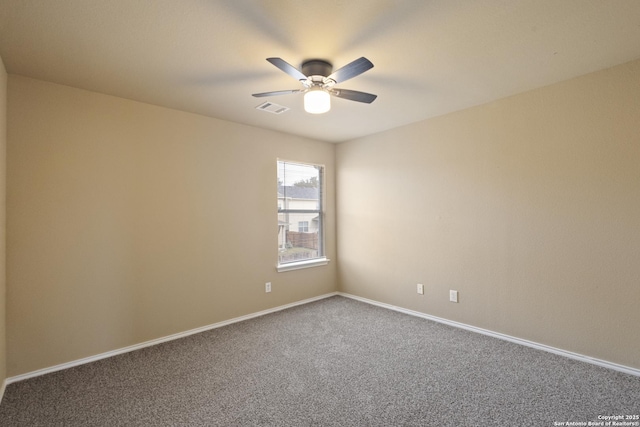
<point x="335" y="362"/>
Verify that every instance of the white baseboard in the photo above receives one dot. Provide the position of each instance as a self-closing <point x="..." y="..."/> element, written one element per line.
<point x="2" y="389"/>
<point x="565" y="353"/>
<point x="558" y="351"/>
<point x="156" y="341"/>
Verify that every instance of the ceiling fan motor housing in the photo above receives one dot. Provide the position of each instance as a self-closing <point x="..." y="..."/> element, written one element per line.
<point x="316" y="67"/>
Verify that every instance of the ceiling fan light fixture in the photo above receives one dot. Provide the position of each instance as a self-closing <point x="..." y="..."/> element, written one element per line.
<point x="317" y="101"/>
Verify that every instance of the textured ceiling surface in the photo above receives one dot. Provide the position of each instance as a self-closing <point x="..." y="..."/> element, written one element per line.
<point x="431" y="57"/>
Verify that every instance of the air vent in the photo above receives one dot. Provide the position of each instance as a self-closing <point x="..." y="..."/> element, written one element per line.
<point x="272" y="108"/>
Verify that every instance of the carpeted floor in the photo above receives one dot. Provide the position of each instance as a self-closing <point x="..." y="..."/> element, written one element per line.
<point x="335" y="362"/>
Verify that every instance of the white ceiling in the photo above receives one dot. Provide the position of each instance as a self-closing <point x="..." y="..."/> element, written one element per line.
<point x="208" y="56"/>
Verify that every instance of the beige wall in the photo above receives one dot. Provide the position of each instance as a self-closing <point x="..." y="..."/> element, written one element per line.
<point x="128" y="222"/>
<point x="123" y="219"/>
<point x="528" y="206"/>
<point x="3" y="187"/>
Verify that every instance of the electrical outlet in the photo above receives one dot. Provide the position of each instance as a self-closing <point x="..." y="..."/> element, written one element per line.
<point x="453" y="296"/>
<point x="267" y="287"/>
<point x="420" y="288"/>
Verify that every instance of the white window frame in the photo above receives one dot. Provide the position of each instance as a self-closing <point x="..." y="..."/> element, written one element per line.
<point x="321" y="259"/>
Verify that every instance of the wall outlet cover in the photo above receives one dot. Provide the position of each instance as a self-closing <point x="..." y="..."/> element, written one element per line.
<point x="453" y="296"/>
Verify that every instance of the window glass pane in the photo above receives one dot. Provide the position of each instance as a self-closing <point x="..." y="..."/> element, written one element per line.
<point x="296" y="245"/>
<point x="299" y="182"/>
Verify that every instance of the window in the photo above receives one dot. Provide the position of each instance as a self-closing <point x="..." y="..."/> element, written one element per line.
<point x="300" y="215"/>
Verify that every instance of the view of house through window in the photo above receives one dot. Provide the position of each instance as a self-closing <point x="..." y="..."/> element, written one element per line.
<point x="299" y="212"/>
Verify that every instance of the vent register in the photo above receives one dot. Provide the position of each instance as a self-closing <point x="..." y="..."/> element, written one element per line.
<point x="272" y="108"/>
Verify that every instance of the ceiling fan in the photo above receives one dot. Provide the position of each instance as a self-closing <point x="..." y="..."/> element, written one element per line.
<point x="318" y="82"/>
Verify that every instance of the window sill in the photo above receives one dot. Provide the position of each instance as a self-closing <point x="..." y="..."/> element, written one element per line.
<point x="317" y="262"/>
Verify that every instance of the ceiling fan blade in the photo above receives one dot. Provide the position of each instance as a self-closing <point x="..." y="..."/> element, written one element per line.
<point x="276" y="93"/>
<point x="288" y="68"/>
<point x="354" y="95"/>
<point x="350" y="70"/>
